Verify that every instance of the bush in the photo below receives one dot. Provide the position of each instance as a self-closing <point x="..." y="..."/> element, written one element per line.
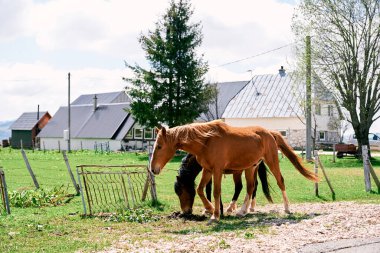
<point x="39" y="198"/>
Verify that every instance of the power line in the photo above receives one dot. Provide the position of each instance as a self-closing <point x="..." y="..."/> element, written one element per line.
<point x="256" y="55"/>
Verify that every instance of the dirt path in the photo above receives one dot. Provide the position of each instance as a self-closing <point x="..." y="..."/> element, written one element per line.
<point x="325" y="222"/>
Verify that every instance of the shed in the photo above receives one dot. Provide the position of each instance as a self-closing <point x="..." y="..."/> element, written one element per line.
<point x="27" y="127"/>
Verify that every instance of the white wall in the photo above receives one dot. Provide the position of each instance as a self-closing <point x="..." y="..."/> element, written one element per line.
<point x="52" y="144"/>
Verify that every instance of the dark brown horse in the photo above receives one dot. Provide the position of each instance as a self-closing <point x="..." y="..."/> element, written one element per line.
<point x="184" y="185"/>
<point x="218" y="147"/>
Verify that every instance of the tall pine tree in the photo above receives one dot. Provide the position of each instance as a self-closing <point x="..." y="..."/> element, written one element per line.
<point x="173" y="90"/>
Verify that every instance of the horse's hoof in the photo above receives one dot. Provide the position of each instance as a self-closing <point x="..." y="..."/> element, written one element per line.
<point x="231" y="208"/>
<point x="207" y="212"/>
<point x="287" y="211"/>
<point x="212" y="221"/>
<point x="251" y="209"/>
<point x="241" y="214"/>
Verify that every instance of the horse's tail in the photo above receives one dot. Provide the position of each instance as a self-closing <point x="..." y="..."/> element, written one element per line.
<point x="294" y="159"/>
<point x="263" y="175"/>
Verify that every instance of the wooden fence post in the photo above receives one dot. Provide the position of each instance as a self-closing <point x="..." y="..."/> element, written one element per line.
<point x="30" y="169"/>
<point x="318" y="160"/>
<point x="5" y="191"/>
<point x="316" y="172"/>
<point x="76" y="186"/>
<point x="366" y="166"/>
<point x="334" y="151"/>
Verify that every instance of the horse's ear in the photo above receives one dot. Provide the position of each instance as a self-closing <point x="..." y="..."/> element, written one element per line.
<point x="156" y="129"/>
<point x="163" y="130"/>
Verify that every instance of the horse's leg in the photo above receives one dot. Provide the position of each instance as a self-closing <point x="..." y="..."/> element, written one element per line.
<point x="208" y="190"/>
<point x="248" y="198"/>
<point x="238" y="186"/>
<point x="271" y="159"/>
<point x="206" y="177"/>
<point x="253" y="203"/>
<point x="217" y="193"/>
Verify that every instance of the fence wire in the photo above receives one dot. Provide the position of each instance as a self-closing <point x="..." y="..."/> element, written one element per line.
<point x="4" y="205"/>
<point x="109" y="189"/>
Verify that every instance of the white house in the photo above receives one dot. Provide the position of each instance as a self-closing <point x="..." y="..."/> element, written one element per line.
<point x="275" y="102"/>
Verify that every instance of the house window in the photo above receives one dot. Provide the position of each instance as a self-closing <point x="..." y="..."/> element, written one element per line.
<point x="322" y="136"/>
<point x="148" y="133"/>
<point x="138" y="133"/>
<point x="130" y="134"/>
<point x="284" y="133"/>
<point x="318" y="109"/>
<point x="330" y="110"/>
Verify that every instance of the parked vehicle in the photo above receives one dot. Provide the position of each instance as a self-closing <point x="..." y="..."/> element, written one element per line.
<point x="345" y="149"/>
<point x="374" y="140"/>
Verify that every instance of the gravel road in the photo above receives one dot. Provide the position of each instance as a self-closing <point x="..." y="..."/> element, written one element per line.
<point x="325" y="222"/>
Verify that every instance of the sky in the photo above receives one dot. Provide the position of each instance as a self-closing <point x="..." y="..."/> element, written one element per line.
<point x="41" y="41"/>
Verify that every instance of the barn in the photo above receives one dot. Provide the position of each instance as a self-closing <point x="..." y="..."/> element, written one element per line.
<point x="25" y="129"/>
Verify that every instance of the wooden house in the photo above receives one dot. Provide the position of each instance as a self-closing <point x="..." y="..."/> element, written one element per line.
<point x="25" y="129"/>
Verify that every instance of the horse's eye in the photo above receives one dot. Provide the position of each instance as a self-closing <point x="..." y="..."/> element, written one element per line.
<point x="158" y="147"/>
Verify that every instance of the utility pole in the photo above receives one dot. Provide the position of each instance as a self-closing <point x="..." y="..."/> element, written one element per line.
<point x="69" y="117"/>
<point x="308" y="99"/>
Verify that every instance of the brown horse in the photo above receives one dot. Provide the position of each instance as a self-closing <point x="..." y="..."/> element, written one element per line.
<point x="217" y="147"/>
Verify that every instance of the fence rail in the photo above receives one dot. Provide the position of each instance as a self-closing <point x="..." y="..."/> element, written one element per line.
<point x="4" y="207"/>
<point x="108" y="189"/>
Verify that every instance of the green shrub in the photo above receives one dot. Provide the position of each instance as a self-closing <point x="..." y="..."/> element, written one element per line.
<point x="39" y="198"/>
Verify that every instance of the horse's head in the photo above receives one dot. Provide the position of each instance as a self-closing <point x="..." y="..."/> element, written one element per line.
<point x="186" y="195"/>
<point x="163" y="151"/>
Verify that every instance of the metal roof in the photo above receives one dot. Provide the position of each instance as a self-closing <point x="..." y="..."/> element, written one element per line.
<point x="27" y="121"/>
<point x="102" y="98"/>
<point x="266" y="96"/>
<point x="106" y="122"/>
<point x="226" y="91"/>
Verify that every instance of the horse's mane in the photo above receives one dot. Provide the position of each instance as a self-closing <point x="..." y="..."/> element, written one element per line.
<point x="198" y="132"/>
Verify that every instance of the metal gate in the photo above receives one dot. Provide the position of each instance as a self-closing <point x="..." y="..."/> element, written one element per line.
<point x="4" y="205"/>
<point x="109" y="189"/>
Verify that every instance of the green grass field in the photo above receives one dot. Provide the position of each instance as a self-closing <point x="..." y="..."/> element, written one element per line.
<point x="62" y="228"/>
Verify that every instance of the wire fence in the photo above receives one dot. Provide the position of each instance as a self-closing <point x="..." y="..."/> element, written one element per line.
<point x="4" y="205"/>
<point x="109" y="189"/>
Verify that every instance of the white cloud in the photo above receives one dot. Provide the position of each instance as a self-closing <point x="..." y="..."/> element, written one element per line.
<point x="232" y="30"/>
<point x="26" y="86"/>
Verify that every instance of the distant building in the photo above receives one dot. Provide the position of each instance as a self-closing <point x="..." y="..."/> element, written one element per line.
<point x="275" y="102"/>
<point x="26" y="128"/>
<point x="98" y="121"/>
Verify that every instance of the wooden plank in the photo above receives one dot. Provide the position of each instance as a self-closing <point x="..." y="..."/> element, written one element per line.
<point x="374" y="176"/>
<point x="5" y="191"/>
<point x="30" y="169"/>
<point x="327" y="179"/>
<point x="76" y="186"/>
<point x="366" y="166"/>
<point x="316" y="172"/>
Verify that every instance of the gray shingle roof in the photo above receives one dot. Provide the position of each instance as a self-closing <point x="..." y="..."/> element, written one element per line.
<point x="106" y="122"/>
<point x="103" y="98"/>
<point x="266" y="96"/>
<point x="26" y="121"/>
